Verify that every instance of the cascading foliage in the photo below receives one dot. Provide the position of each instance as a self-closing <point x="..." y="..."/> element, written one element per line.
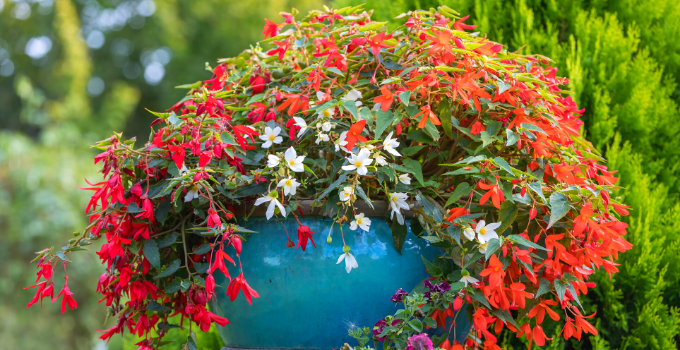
<point x="480" y="145"/>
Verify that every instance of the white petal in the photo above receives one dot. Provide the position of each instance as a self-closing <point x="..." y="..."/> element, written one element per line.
<point x="270" y="209"/>
<point x="493" y="226"/>
<point x="342" y="257"/>
<point x="349" y="167"/>
<point x="278" y="139"/>
<point x="353" y="225"/>
<point x="281" y="208"/>
<point x="362" y="170"/>
<point x="290" y="154"/>
<point x="277" y="130"/>
<point x="480" y="225"/>
<point x="264" y="199"/>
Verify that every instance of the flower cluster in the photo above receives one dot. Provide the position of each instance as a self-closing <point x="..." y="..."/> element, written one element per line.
<point x="479" y="146"/>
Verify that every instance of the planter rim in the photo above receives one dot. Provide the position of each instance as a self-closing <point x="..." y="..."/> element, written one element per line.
<point x="380" y="208"/>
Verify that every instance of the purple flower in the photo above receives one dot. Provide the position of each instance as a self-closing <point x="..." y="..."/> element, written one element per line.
<point x="440" y="288"/>
<point x="399" y="296"/>
<point x="380" y="327"/>
<point x="428" y="285"/>
<point x="419" y="342"/>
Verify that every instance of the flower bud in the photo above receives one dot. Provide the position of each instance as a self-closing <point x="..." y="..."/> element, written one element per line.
<point x="290" y="244"/>
<point x="329" y="239"/>
<point x="345" y="249"/>
<point x="238" y="245"/>
<point x="273" y="194"/>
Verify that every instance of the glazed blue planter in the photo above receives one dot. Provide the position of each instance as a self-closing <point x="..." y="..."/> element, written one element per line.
<point x="307" y="301"/>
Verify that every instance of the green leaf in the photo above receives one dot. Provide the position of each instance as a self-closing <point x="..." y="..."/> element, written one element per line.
<point x="432" y="130"/>
<point x="167" y="240"/>
<point x="416" y="324"/>
<point x="151" y="253"/>
<point x="227" y="138"/>
<point x="383" y="120"/>
<point x="572" y="290"/>
<point x="492" y="247"/>
<point x="360" y="192"/>
<point x="250" y="190"/>
<point x="544" y="287"/>
<point x="415" y="169"/>
<point x="398" y="234"/>
<point x="174" y="286"/>
<point x="420" y="137"/>
<point x="204" y="248"/>
<point x="507" y="215"/>
<point x="559" y="205"/>
<point x="460" y="190"/>
<point x="473" y="259"/>
<point x="351" y="106"/>
<point x="532" y="127"/>
<point x="480" y="298"/>
<point x="503" y="164"/>
<point x="404" y="97"/>
<point x="536" y="187"/>
<point x="172" y="268"/>
<point x="133" y="208"/>
<point x="162" y="211"/>
<point x="454" y="232"/>
<point x="486" y="138"/>
<point x="409" y="151"/>
<point x="336" y="71"/>
<point x="335" y="184"/>
<point x="560" y="288"/>
<point x="431" y="268"/>
<point x="371" y="26"/>
<point x="512" y="137"/>
<point x="430" y="322"/>
<point x="525" y="242"/>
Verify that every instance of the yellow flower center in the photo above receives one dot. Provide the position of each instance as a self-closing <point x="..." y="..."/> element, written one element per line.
<point x="357" y="164"/>
<point x="482" y="230"/>
<point x="292" y="162"/>
<point x="359" y="220"/>
<point x="288" y="182"/>
<point x="272" y="137"/>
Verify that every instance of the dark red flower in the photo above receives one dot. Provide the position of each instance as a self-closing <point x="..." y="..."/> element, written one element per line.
<point x="304" y="234"/>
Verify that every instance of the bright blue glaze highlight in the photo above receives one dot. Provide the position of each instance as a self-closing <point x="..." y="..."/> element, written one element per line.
<point x="307" y="301"/>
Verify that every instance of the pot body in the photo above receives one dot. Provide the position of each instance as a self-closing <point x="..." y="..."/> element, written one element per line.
<point x="307" y="301"/>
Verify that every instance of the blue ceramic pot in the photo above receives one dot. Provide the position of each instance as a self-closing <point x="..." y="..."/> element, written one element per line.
<point x="307" y="301"/>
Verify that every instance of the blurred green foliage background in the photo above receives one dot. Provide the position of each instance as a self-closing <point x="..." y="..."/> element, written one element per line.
<point x="72" y="71"/>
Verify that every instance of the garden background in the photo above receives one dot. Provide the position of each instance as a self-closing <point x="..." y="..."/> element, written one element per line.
<point x="71" y="71"/>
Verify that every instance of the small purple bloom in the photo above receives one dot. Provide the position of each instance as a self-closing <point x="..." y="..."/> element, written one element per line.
<point x="428" y="285"/>
<point x="380" y="327"/>
<point x="419" y="342"/>
<point x="442" y="287"/>
<point x="399" y="296"/>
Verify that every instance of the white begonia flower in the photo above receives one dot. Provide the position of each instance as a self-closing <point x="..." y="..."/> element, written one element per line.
<point x="184" y="170"/>
<point x="191" y="194"/>
<point x="469" y="233"/>
<point x="363" y="222"/>
<point x="485" y="232"/>
<point x="326" y="126"/>
<point x="380" y="160"/>
<point x="341" y="141"/>
<point x="397" y="202"/>
<point x="391" y="144"/>
<point x="321" y="138"/>
<point x="482" y="247"/>
<point x="346" y="193"/>
<point x="350" y="261"/>
<point x="468" y="279"/>
<point x="271" y="136"/>
<point x="273" y="161"/>
<point x="405" y="179"/>
<point x="353" y="95"/>
<point x="273" y="203"/>
<point x="359" y="162"/>
<point x="302" y="124"/>
<point x="289" y="185"/>
<point x="293" y="161"/>
<point x="327" y="113"/>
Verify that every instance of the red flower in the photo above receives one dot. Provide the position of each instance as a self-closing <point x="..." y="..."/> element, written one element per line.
<point x="459" y="25"/>
<point x="213" y="218"/>
<point x="494" y="271"/>
<point x="495" y="193"/>
<point x="427" y="113"/>
<point x="271" y="29"/>
<point x="280" y="50"/>
<point x="385" y="100"/>
<point x="354" y="134"/>
<point x="177" y="155"/>
<point x="67" y="299"/>
<point x="239" y="283"/>
<point x="376" y="43"/>
<point x="219" y="263"/>
<point x="304" y="234"/>
<point x="44" y="289"/>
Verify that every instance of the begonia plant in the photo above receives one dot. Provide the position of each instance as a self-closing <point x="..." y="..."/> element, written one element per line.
<point x="479" y="146"/>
